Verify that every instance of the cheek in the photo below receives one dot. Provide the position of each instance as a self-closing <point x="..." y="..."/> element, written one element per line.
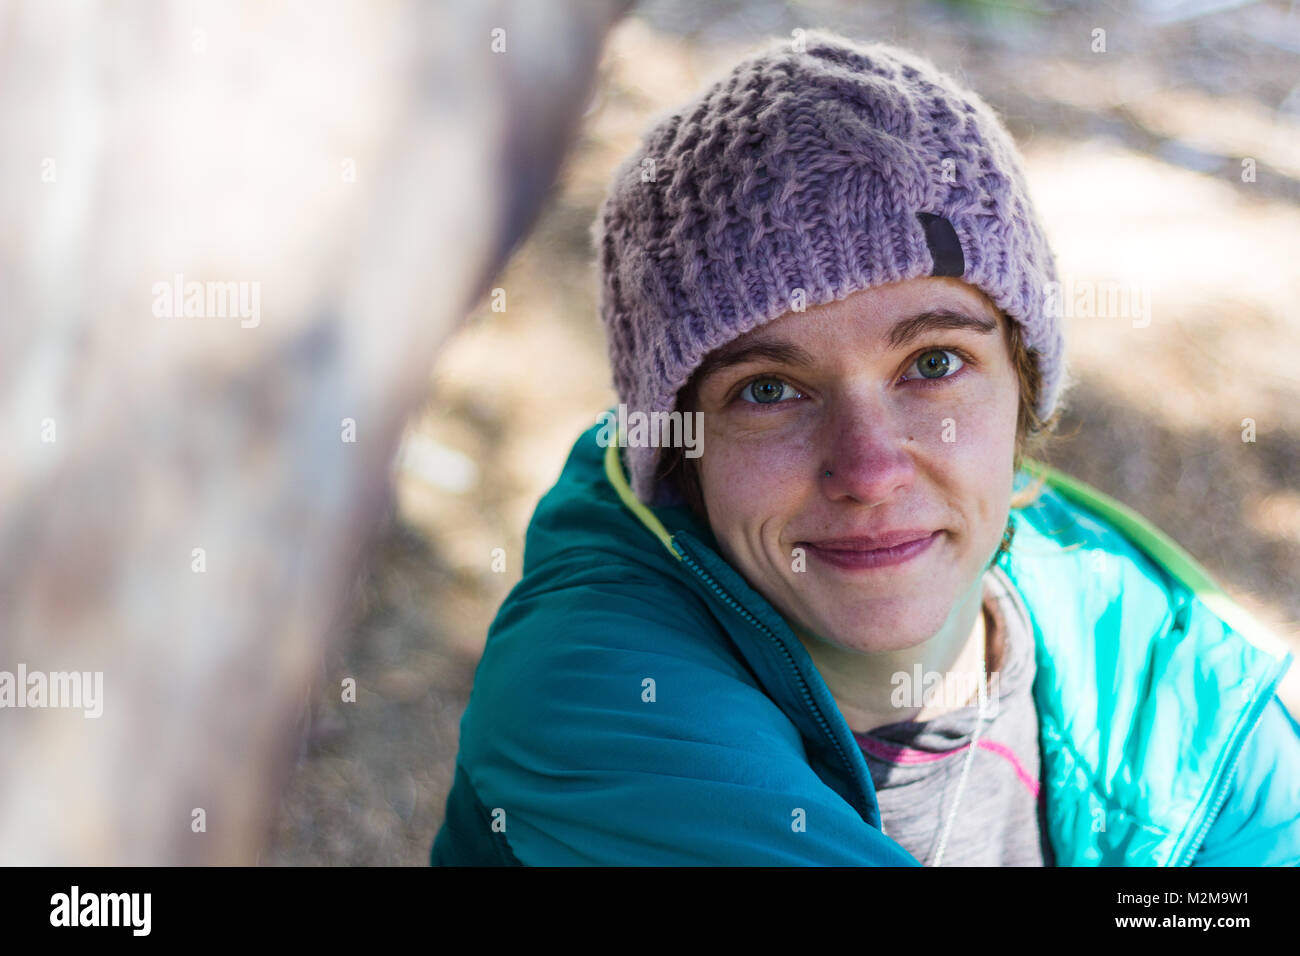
<point x="983" y="429"/>
<point x="747" y="481"/>
<point x="992" y="454"/>
<point x="977" y="458"/>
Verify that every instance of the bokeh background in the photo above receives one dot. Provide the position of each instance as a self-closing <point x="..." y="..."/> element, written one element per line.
<point x="1135" y="160"/>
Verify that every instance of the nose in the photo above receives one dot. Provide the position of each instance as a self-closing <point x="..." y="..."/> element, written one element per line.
<point x="866" y="454"/>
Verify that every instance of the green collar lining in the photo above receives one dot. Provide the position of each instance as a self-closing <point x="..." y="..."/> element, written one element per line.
<point x="614" y="472"/>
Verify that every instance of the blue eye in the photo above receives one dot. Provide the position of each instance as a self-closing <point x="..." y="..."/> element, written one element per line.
<point x="767" y="391"/>
<point x="934" y="363"/>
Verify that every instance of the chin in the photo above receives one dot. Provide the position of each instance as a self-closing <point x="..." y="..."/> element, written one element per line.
<point x="920" y="614"/>
<point x="876" y="640"/>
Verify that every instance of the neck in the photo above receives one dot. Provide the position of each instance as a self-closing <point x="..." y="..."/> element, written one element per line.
<point x="875" y="689"/>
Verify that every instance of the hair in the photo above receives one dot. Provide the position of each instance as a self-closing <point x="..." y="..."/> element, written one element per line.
<point x="1033" y="435"/>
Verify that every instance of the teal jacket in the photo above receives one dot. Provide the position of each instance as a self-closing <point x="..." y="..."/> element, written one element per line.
<point x="637" y="703"/>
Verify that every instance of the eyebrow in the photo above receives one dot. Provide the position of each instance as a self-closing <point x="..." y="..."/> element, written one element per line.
<point x="916" y="326"/>
<point x="786" y="352"/>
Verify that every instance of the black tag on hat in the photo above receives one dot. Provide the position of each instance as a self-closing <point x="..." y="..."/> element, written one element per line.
<point x="945" y="248"/>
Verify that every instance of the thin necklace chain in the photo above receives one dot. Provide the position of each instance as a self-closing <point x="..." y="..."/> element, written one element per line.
<point x="970" y="757"/>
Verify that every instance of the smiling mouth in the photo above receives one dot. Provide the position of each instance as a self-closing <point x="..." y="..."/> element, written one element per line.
<point x="855" y="554"/>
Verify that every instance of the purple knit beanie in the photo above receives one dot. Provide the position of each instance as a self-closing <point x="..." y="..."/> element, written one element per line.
<point x="825" y="166"/>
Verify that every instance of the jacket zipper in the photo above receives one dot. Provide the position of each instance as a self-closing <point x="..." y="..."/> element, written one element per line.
<point x="1221" y="794"/>
<point x="785" y="652"/>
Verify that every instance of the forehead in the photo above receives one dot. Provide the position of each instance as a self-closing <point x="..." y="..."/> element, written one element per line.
<point x="877" y="310"/>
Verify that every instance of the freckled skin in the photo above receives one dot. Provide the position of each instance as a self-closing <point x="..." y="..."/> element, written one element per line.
<point x="863" y="411"/>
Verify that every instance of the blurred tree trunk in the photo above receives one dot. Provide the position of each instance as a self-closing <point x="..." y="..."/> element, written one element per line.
<point x="186" y="492"/>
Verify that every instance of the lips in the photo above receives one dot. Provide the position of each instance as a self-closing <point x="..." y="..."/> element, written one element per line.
<point x="885" y="539"/>
<point x="861" y="554"/>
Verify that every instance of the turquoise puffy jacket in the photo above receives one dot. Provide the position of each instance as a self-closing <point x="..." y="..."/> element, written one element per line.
<point x="1163" y="740"/>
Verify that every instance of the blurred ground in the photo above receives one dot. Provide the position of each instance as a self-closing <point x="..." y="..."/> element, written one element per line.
<point x="1135" y="161"/>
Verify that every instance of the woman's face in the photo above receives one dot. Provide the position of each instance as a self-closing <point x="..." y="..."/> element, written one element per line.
<point x="914" y="421"/>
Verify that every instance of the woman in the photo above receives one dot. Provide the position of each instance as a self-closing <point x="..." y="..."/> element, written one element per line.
<point x="798" y="600"/>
